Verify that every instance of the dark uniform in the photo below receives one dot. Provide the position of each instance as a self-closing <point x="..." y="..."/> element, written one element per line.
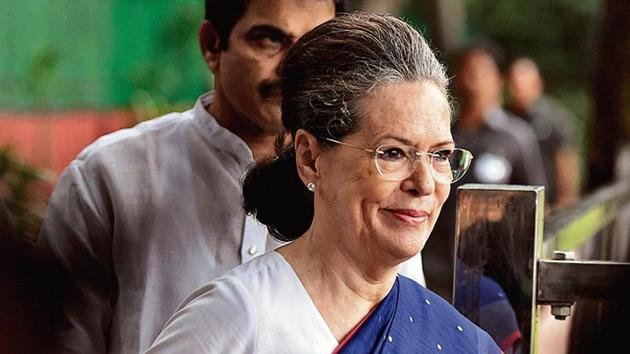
<point x="552" y="125"/>
<point x="505" y="151"/>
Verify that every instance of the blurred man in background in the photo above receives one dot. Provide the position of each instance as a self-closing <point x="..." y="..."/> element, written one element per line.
<point x="552" y="124"/>
<point x="144" y="216"/>
<point x="504" y="147"/>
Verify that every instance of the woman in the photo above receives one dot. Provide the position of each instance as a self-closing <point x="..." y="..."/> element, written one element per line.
<point x="357" y="189"/>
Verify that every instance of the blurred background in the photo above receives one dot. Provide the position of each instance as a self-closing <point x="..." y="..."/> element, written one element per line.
<point x="71" y="71"/>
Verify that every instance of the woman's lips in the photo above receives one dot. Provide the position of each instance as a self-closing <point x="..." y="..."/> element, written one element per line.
<point x="409" y="216"/>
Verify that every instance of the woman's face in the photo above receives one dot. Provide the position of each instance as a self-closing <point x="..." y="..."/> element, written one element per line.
<point x="393" y="218"/>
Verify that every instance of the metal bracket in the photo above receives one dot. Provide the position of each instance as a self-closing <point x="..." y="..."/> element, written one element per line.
<point x="562" y="282"/>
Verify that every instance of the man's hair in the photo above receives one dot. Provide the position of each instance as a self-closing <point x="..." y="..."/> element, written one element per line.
<point x="224" y="14"/>
<point x="483" y="47"/>
<point x="526" y="62"/>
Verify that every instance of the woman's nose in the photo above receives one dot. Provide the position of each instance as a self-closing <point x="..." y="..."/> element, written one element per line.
<point x="421" y="178"/>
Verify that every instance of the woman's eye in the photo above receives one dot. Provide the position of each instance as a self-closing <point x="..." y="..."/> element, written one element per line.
<point x="393" y="154"/>
<point x="442" y="155"/>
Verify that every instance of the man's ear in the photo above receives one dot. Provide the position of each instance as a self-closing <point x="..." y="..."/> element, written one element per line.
<point x="210" y="44"/>
<point x="307" y="150"/>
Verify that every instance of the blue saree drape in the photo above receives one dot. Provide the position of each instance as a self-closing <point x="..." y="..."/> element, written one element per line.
<point x="484" y="302"/>
<point x="412" y="319"/>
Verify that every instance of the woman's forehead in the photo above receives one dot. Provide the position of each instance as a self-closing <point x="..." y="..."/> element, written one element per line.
<point x="414" y="110"/>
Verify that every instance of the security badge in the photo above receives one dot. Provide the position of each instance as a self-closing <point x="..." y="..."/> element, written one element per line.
<point x="491" y="168"/>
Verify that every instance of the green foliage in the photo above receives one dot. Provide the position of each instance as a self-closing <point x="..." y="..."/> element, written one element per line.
<point x="17" y="183"/>
<point x="98" y="53"/>
<point x="558" y="34"/>
<point x="147" y="106"/>
<point x="174" y="78"/>
<point x="55" y="54"/>
<point x="168" y="84"/>
<point x="40" y="74"/>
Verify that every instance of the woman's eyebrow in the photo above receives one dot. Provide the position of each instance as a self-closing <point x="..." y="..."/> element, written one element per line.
<point x="394" y="137"/>
<point x="406" y="141"/>
<point x="445" y="143"/>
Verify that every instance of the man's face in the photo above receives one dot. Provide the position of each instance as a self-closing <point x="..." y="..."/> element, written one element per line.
<point x="524" y="84"/>
<point x="246" y="75"/>
<point x="478" y="81"/>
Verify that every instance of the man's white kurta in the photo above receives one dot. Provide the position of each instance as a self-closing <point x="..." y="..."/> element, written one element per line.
<point x="141" y="219"/>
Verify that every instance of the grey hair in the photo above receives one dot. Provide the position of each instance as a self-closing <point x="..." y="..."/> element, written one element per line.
<point x="324" y="75"/>
<point x="344" y="59"/>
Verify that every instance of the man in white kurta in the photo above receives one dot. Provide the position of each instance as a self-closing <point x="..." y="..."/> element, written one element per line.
<point x="143" y="217"/>
<point x="146" y="215"/>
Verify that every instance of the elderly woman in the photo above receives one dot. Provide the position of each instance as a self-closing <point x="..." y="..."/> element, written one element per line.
<point x="358" y="183"/>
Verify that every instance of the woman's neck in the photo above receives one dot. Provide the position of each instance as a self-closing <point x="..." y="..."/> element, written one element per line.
<point x="344" y="290"/>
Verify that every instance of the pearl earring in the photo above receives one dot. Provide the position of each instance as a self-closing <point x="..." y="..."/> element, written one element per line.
<point x="310" y="186"/>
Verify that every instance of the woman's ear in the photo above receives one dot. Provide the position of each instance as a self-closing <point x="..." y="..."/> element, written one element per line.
<point x="307" y="150"/>
<point x="210" y="45"/>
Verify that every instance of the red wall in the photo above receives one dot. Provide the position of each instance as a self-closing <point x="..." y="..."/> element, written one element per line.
<point x="50" y="140"/>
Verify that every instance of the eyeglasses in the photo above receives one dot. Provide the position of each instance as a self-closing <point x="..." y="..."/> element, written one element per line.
<point x="396" y="162"/>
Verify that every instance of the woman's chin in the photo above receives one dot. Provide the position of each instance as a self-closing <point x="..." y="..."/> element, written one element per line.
<point x="400" y="243"/>
<point x="405" y="250"/>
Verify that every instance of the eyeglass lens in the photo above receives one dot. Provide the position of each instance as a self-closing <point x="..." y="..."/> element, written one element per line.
<point x="398" y="163"/>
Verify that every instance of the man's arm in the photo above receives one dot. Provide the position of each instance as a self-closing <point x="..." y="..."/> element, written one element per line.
<point x="531" y="163"/>
<point x="567" y="177"/>
<point x="566" y="160"/>
<point x="76" y="238"/>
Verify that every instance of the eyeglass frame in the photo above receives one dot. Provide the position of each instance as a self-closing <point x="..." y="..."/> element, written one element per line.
<point x="417" y="154"/>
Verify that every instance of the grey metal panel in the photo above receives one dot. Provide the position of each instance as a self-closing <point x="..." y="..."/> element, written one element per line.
<point x="568" y="281"/>
<point x="498" y="240"/>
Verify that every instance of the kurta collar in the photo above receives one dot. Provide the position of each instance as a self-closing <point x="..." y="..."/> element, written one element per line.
<point x="217" y="135"/>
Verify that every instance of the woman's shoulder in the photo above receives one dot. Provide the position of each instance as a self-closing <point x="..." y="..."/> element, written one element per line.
<point x="240" y="284"/>
<point x="221" y="314"/>
<point x="428" y="303"/>
<point x="259" y="274"/>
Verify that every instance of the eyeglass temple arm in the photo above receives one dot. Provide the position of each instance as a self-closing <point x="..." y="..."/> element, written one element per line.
<point x="349" y="145"/>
